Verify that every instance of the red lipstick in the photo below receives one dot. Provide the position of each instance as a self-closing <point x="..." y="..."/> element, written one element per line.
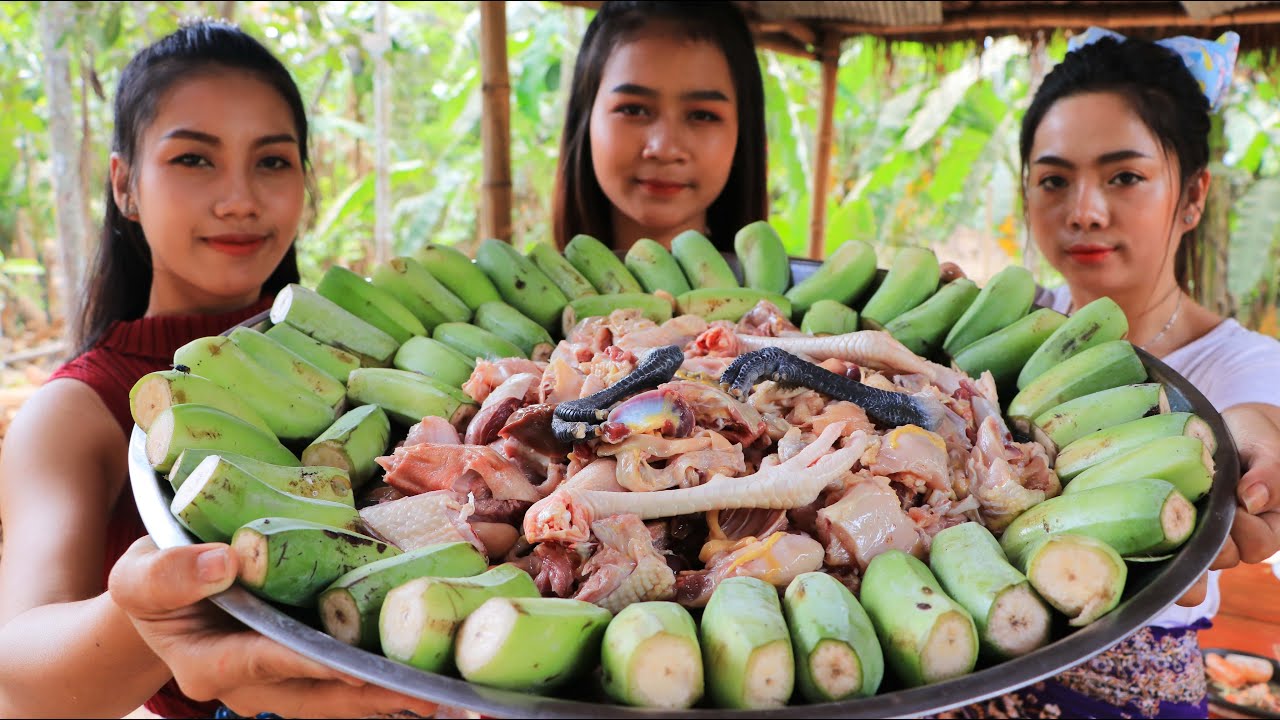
<point x="236" y="244"/>
<point x="662" y="189"/>
<point x="1090" y="254"/>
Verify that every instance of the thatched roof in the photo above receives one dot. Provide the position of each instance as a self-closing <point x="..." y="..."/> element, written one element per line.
<point x="801" y="27"/>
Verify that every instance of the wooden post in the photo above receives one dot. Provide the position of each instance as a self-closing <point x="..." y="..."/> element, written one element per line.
<point x="1207" y="262"/>
<point x="495" y="122"/>
<point x="829" y="56"/>
<point x="382" y="132"/>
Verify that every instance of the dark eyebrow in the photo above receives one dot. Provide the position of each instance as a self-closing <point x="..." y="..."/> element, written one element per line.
<point x="1119" y="155"/>
<point x="1104" y="159"/>
<point x="633" y="89"/>
<point x="206" y="138"/>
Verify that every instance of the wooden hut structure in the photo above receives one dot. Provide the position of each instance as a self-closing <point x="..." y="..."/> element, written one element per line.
<point x="816" y="30"/>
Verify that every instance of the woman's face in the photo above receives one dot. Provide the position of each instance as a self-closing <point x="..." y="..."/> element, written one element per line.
<point x="664" y="127"/>
<point x="218" y="186"/>
<point x="1102" y="197"/>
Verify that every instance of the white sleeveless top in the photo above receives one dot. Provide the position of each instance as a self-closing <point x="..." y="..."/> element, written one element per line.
<point x="1230" y="365"/>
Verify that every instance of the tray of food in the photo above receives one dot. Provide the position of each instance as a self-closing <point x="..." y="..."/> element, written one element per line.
<point x="1242" y="684"/>
<point x="685" y="482"/>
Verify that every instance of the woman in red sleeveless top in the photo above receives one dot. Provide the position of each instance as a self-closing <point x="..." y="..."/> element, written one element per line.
<point x="208" y="184"/>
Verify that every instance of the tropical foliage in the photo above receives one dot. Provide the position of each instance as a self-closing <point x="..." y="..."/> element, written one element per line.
<point x="925" y="149"/>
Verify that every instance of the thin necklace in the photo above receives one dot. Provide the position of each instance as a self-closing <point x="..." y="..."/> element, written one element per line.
<point x="1172" y="319"/>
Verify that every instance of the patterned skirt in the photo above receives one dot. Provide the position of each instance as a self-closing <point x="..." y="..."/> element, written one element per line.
<point x="1154" y="673"/>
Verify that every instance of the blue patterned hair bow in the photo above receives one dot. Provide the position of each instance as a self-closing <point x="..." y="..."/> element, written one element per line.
<point x="1209" y="61"/>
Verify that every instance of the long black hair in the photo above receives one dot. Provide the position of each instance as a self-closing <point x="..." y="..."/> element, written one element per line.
<point x="580" y="205"/>
<point x="118" y="285"/>
<point x="1156" y="84"/>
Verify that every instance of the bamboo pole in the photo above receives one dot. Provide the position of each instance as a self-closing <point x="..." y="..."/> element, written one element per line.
<point x="495" y="122"/>
<point x="381" y="131"/>
<point x="829" y="56"/>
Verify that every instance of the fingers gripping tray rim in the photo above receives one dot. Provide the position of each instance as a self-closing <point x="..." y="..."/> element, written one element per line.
<point x="1151" y="588"/>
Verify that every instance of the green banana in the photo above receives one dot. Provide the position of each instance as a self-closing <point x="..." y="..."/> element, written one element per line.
<point x="923" y="327"/>
<point x="764" y="261"/>
<point x="183" y="427"/>
<point x="326" y="321"/>
<point x="1080" y="576"/>
<point x="1101" y="367"/>
<point x="369" y="302"/>
<point x="157" y="391"/>
<point x="419" y="292"/>
<point x="290" y="366"/>
<point x="702" y="263"/>
<point x="511" y="325"/>
<point x="1004" y="352"/>
<point x="458" y="274"/>
<point x="1181" y="461"/>
<point x="650" y="657"/>
<point x="530" y="643"/>
<point x="352" y="444"/>
<point x="521" y="284"/>
<point x="837" y="653"/>
<point x="746" y="649"/>
<point x="968" y="561"/>
<point x="1103" y="445"/>
<point x="1065" y="423"/>
<point x="600" y="266"/>
<point x="1004" y="300"/>
<point x="290" y="561"/>
<point x="1099" y="322"/>
<point x="293" y="413"/>
<point x="315" y="483"/>
<point x="728" y="304"/>
<point x="218" y="497"/>
<point x="434" y="358"/>
<point x="349" y="607"/>
<point x="935" y="638"/>
<point x="842" y="277"/>
<point x="336" y="363"/>
<point x="655" y="268"/>
<point x="419" y="618"/>
<point x="1136" y="517"/>
<point x="407" y="397"/>
<point x="912" y="278"/>
<point x="546" y="258"/>
<point x="829" y="317"/>
<point x="475" y="342"/>
<point x="652" y="307"/>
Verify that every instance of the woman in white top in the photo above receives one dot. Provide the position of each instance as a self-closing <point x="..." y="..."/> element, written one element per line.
<point x="1115" y="152"/>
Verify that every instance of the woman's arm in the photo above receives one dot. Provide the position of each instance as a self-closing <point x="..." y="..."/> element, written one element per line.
<point x="69" y="649"/>
<point x="65" y="647"/>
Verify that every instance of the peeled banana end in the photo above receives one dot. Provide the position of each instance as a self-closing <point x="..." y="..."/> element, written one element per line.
<point x="835" y="670"/>
<point x="666" y="672"/>
<point x="1018" y="622"/>
<point x="951" y="649"/>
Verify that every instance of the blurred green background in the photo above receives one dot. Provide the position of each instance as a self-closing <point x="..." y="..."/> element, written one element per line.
<point x="925" y="146"/>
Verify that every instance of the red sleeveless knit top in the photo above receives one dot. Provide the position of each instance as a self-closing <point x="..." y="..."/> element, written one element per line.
<point x="127" y="351"/>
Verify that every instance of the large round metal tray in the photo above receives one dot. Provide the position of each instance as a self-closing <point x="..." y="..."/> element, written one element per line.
<point x="1151" y="588"/>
